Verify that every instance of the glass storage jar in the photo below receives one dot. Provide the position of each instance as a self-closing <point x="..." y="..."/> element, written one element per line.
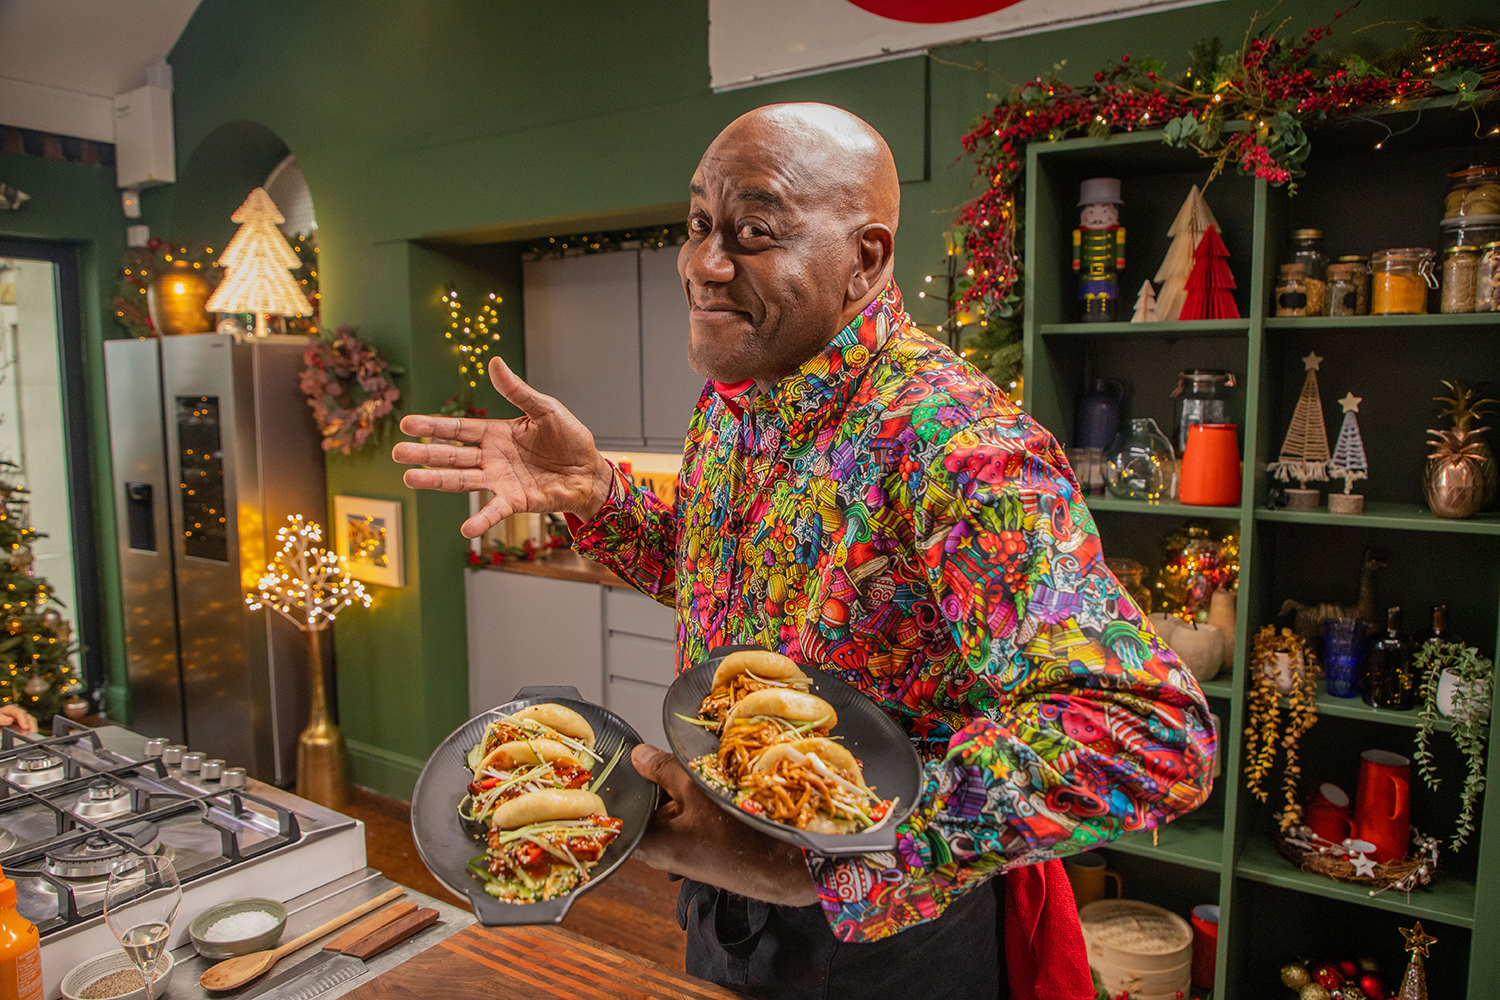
<point x="1399" y="281"/>
<point x="1470" y="230"/>
<point x="1307" y="250"/>
<point x="1475" y="191"/>
<point x="1140" y="464"/>
<point x="1460" y="274"/>
<point x="1202" y="398"/>
<point x="1487" y="280"/>
<point x="1344" y="290"/>
<point x="1361" y="271"/>
<point x="1291" y="291"/>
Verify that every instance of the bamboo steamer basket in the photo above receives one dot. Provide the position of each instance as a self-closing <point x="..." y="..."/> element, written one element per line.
<point x="1138" y="948"/>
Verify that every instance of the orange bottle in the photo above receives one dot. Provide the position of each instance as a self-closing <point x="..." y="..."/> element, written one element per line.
<point x="20" y="949"/>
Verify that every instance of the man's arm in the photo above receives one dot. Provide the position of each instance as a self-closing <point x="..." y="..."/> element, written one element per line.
<point x="1083" y="726"/>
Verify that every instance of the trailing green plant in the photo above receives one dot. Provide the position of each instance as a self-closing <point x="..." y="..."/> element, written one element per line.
<point x="1470" y="720"/>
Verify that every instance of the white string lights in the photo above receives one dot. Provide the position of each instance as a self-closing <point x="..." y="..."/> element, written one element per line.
<point x="306" y="583"/>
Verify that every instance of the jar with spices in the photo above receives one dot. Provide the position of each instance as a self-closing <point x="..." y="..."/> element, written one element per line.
<point x="1360" y="270"/>
<point x="1487" y="279"/>
<point x="1470" y="230"/>
<point x="1400" y="279"/>
<point x="1307" y="250"/>
<point x="1460" y="277"/>
<point x="1344" y="290"/>
<point x="1291" y="291"/>
<point x="1475" y="191"/>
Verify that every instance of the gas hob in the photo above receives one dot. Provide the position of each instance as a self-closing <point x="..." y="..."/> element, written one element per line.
<point x="75" y="803"/>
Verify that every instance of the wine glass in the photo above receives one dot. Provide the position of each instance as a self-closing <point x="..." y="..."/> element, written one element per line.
<point x="140" y="905"/>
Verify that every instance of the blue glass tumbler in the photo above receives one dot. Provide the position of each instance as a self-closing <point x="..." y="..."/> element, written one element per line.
<point x="1344" y="655"/>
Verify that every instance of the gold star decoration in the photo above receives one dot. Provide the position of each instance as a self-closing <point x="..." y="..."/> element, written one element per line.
<point x="1351" y="402"/>
<point x="1312" y="361"/>
<point x="1416" y="940"/>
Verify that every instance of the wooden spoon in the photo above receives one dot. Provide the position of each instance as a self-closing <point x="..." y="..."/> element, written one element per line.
<point x="232" y="973"/>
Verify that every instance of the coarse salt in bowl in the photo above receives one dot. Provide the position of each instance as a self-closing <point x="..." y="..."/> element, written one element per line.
<point x="238" y="928"/>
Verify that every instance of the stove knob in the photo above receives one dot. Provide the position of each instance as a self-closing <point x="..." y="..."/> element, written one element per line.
<point x="172" y="755"/>
<point x="235" y="777"/>
<point x="154" y="747"/>
<point x="213" y="769"/>
<point x="193" y="762"/>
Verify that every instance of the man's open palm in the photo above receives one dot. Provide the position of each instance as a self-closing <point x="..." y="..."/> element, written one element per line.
<point x="541" y="462"/>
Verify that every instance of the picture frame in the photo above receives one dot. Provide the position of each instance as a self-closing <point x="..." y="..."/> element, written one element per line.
<point x="367" y="533"/>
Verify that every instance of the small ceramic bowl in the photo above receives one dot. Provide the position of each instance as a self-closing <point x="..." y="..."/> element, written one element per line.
<point x="86" y="973"/>
<point x="244" y="946"/>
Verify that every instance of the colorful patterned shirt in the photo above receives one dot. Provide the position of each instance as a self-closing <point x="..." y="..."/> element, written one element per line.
<point x="886" y="514"/>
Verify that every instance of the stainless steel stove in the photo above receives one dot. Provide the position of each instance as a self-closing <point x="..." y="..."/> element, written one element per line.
<point x="74" y="803"/>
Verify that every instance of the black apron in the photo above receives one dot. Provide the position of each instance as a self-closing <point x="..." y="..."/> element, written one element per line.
<point x="789" y="953"/>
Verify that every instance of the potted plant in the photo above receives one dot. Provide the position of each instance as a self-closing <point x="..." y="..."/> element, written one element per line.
<point x="1456" y="682"/>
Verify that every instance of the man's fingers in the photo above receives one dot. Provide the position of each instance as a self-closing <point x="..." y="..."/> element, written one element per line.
<point x="438" y="456"/>
<point x="506" y="382"/>
<point x="491" y="514"/>
<point x="466" y="429"/>
<point x="447" y="480"/>
<point x="662" y="768"/>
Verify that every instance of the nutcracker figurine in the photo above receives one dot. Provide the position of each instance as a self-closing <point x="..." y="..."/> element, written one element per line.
<point x="1099" y="248"/>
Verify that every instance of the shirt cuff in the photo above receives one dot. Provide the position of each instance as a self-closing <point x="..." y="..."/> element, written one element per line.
<point x="576" y="524"/>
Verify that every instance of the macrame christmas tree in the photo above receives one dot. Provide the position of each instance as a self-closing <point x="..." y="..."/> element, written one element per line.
<point x="258" y="265"/>
<point x="1210" y="285"/>
<point x="1193" y="220"/>
<point x="1349" y="462"/>
<point x="1304" y="452"/>
<point x="35" y="642"/>
<point x="1414" y="983"/>
<point x="1145" y="304"/>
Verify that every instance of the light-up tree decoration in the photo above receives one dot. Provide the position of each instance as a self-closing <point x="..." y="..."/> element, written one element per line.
<point x="258" y="265"/>
<point x="309" y="585"/>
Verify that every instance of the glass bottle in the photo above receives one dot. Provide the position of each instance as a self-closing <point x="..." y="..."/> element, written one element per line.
<point x="1390" y="681"/>
<point x="1439" y="632"/>
<point x="1291" y="291"/>
<point x="1361" y="272"/>
<point x="1202" y="398"/>
<point x="1307" y="250"/>
<point x="1140" y="464"/>
<point x="1343" y="290"/>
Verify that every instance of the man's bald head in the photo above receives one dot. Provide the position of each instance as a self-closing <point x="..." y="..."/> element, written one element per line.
<point x="791" y="235"/>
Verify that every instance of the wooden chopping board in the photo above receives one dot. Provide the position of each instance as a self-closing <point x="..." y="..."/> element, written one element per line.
<point x="532" y="963"/>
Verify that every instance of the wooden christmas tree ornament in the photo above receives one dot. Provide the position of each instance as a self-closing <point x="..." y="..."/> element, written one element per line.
<point x="1348" y="462"/>
<point x="1304" y="452"/>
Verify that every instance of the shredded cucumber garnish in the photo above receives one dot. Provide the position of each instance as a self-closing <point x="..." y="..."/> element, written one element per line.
<point x="598" y="782"/>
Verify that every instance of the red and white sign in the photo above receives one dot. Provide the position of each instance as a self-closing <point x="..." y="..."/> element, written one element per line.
<point x="756" y="41"/>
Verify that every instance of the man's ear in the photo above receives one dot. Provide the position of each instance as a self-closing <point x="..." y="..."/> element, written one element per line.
<point x="875" y="245"/>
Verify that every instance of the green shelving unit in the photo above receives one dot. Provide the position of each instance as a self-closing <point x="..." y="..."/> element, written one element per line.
<point x="1271" y="912"/>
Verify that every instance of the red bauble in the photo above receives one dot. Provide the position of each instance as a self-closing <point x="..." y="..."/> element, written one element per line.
<point x="1349" y="968"/>
<point x="1327" y="975"/>
<point x="1372" y="985"/>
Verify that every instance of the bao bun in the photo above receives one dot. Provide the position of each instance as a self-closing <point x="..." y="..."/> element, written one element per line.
<point x="547" y="804"/>
<point x="836" y="756"/>
<point x="560" y="719"/>
<point x="508" y="756"/>
<point x="762" y="663"/>
<point x="783" y="703"/>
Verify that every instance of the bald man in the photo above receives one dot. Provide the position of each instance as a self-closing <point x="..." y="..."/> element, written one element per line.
<point x="858" y="498"/>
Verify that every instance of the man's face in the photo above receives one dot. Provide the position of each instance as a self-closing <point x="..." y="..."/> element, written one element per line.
<point x="769" y="256"/>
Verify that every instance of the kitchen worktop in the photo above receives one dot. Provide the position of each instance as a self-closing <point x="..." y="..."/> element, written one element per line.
<point x="561" y="564"/>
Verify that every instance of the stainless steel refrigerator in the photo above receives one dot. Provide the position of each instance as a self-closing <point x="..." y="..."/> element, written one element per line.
<point x="213" y="447"/>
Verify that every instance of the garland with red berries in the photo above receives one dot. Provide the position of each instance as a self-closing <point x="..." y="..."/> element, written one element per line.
<point x="1249" y="109"/>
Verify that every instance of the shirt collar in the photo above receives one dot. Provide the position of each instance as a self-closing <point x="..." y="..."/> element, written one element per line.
<point x="805" y="398"/>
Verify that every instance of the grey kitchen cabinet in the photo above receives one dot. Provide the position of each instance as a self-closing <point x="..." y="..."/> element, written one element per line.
<point x="526" y="630"/>
<point x="640" y="705"/>
<point x="583" y="340"/>
<point x="669" y="388"/>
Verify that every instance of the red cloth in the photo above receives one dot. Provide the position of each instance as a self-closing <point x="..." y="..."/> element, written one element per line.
<point x="1044" y="953"/>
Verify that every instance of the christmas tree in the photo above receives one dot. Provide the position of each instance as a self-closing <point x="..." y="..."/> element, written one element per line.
<point x="36" y="644"/>
<point x="1414" y="983"/>
<point x="258" y="265"/>
<point x="1210" y="286"/>
<point x="1145" y="304"/>
<point x="1193" y="220"/>
<point x="1304" y="452"/>
<point x="1349" y="461"/>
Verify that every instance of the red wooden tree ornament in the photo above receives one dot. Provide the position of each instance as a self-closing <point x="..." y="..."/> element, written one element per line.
<point x="1210" y="285"/>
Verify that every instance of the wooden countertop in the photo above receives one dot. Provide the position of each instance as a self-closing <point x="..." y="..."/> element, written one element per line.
<point x="561" y="564"/>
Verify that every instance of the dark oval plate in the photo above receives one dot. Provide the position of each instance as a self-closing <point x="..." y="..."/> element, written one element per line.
<point x="446" y="846"/>
<point x="889" y="760"/>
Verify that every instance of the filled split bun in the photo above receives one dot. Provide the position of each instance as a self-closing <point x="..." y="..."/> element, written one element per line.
<point x="784" y="703"/>
<point x="834" y="755"/>
<point x="547" y="804"/>
<point x="509" y="756"/>
<point x="561" y="719"/>
<point x="763" y="664"/>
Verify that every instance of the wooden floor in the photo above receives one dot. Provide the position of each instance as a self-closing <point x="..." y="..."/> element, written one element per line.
<point x="633" y="910"/>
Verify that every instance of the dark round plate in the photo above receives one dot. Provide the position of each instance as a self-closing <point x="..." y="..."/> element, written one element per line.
<point x="889" y="760"/>
<point x="446" y="846"/>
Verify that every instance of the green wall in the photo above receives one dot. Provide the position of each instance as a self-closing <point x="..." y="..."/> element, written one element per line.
<point x="414" y="122"/>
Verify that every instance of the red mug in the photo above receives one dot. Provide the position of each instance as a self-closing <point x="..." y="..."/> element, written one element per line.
<point x="1382" y="812"/>
<point x="1205" y="944"/>
<point x="1327" y="814"/>
<point x="1210" y="474"/>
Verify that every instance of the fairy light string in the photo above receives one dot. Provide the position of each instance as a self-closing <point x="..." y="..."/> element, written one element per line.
<point x="306" y="583"/>
<point x="475" y="337"/>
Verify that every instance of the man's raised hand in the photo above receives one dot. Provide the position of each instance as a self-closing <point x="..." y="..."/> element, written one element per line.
<point x="541" y="462"/>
